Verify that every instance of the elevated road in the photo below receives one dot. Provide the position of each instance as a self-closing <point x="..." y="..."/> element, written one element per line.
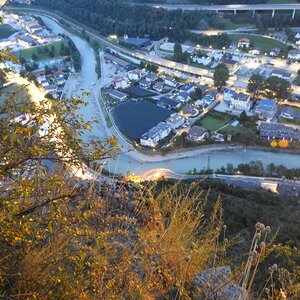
<point x="233" y="7"/>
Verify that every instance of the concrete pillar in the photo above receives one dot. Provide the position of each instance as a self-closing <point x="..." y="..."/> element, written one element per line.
<point x="273" y="13"/>
<point x="253" y="13"/>
<point x="234" y="11"/>
<point x="293" y="15"/>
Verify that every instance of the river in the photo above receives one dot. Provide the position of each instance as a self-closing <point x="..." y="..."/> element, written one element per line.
<point x="126" y="163"/>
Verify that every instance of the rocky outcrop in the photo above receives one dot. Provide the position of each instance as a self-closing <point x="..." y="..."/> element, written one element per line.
<point x="217" y="284"/>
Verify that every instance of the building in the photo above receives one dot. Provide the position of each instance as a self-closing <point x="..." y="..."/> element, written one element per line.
<point x="117" y="95"/>
<point x="266" y="109"/>
<point x="117" y="61"/>
<point x="151" y="76"/>
<point x="158" y="86"/>
<point x="241" y="101"/>
<point x="274" y="131"/>
<point x="175" y="121"/>
<point x="230" y="63"/>
<point x="288" y="112"/>
<point x="183" y="96"/>
<point x="256" y="51"/>
<point x="155" y="134"/>
<point x="189" y="110"/>
<point x="212" y="93"/>
<point x="51" y="89"/>
<point x="281" y="74"/>
<point x="229" y="95"/>
<point x="294" y="54"/>
<point x="145" y="84"/>
<point x="243" y="43"/>
<point x="197" y="134"/>
<point x="168" y="103"/>
<point x="134" y="74"/>
<point x="170" y="81"/>
<point x="275" y="52"/>
<point x="188" y="87"/>
<point x="120" y="82"/>
<point x="137" y="43"/>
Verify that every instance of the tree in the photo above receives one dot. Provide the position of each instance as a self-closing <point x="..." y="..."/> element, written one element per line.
<point x="198" y="92"/>
<point x="255" y="85"/>
<point x="3" y="78"/>
<point x="178" y="55"/>
<point x="221" y="75"/>
<point x="278" y="88"/>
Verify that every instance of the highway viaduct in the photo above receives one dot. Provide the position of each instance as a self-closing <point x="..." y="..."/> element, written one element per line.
<point x="234" y="7"/>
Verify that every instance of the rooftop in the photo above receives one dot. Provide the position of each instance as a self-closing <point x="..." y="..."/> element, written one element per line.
<point x="197" y="131"/>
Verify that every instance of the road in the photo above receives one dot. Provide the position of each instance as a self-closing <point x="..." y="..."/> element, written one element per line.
<point x="268" y="183"/>
<point x="232" y="7"/>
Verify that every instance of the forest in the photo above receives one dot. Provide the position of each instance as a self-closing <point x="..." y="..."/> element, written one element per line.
<point x="139" y="21"/>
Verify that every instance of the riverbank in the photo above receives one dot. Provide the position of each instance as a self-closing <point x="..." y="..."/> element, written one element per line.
<point x="182" y="160"/>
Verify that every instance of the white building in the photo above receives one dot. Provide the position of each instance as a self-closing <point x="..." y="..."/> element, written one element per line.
<point x="243" y="43"/>
<point x="294" y="54"/>
<point x="175" y="121"/>
<point x="229" y="95"/>
<point x="134" y="74"/>
<point x="120" y="82"/>
<point x="155" y="134"/>
<point x="241" y="102"/>
<point x="170" y="81"/>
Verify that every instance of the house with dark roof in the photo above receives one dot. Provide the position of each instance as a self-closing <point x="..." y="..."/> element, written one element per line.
<point x="145" y="84"/>
<point x="168" y="103"/>
<point x="188" y="87"/>
<point x="189" y="110"/>
<point x="158" y="86"/>
<point x="266" y="109"/>
<point x="183" y="96"/>
<point x="197" y="134"/>
<point x="120" y="62"/>
<point x="117" y="95"/>
<point x="137" y="43"/>
<point x="281" y="74"/>
<point x="274" y="131"/>
<point x="288" y="112"/>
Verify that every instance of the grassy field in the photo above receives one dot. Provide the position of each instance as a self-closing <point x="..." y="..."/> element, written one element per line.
<point x="230" y="25"/>
<point x="265" y="44"/>
<point x="41" y="51"/>
<point x="214" y="120"/>
<point x="6" y="31"/>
